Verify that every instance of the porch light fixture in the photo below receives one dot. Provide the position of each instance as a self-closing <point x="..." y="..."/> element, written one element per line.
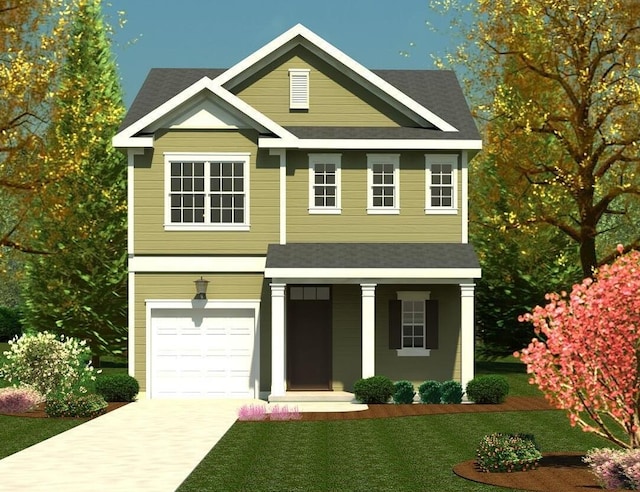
<point x="201" y="288"/>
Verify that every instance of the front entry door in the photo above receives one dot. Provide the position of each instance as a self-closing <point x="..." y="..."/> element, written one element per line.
<point x="309" y="338"/>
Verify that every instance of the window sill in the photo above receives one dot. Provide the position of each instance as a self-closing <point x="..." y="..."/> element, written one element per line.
<point x="413" y="352"/>
<point x="325" y="211"/>
<point x="441" y="211"/>
<point x="383" y="211"/>
<point x="207" y="227"/>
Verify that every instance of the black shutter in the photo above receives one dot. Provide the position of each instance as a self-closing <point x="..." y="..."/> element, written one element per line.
<point x="395" y="324"/>
<point x="432" y="325"/>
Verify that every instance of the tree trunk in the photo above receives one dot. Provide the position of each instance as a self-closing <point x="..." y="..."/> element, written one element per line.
<point x="588" y="258"/>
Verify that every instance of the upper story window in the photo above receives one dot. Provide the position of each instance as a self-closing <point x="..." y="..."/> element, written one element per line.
<point x="298" y="88"/>
<point x="324" y="183"/>
<point x="383" y="183"/>
<point x="441" y="176"/>
<point x="207" y="191"/>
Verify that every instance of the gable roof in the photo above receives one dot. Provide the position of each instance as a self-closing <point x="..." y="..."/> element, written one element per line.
<point x="410" y="91"/>
<point x="300" y="35"/>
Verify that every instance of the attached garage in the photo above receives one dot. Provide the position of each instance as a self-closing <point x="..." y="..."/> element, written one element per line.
<point x="202" y="349"/>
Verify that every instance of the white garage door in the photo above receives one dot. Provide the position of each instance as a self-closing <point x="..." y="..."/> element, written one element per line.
<point x="202" y="353"/>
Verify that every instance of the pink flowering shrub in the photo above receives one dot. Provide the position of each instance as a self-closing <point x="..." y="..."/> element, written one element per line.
<point x="285" y="413"/>
<point x="616" y="469"/>
<point x="585" y="359"/>
<point x="19" y="400"/>
<point x="252" y="412"/>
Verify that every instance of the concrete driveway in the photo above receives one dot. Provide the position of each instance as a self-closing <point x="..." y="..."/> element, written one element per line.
<point x="148" y="445"/>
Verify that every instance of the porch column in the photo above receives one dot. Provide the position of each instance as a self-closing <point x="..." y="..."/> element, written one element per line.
<point x="467" y="333"/>
<point x="368" y="330"/>
<point x="278" y="360"/>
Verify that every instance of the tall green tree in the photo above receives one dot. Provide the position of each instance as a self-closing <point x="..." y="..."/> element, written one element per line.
<point x="80" y="289"/>
<point x="557" y="84"/>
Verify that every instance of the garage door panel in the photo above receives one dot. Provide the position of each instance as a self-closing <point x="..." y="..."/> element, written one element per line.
<point x="198" y="353"/>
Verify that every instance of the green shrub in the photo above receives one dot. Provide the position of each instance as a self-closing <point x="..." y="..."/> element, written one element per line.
<point x="10" y="325"/>
<point x="507" y="453"/>
<point x="451" y="392"/>
<point x="73" y="405"/>
<point x="48" y="363"/>
<point x="403" y="392"/>
<point x="117" y="387"/>
<point x="430" y="392"/>
<point x="376" y="389"/>
<point x="488" y="389"/>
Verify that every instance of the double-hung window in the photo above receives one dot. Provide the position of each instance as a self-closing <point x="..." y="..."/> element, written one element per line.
<point x="441" y="173"/>
<point x="413" y="323"/>
<point x="207" y="191"/>
<point x="324" y="183"/>
<point x="383" y="184"/>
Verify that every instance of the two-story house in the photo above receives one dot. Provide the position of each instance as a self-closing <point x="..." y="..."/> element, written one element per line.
<point x="326" y="206"/>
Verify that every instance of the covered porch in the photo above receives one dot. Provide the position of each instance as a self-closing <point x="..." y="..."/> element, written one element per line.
<point x="361" y="286"/>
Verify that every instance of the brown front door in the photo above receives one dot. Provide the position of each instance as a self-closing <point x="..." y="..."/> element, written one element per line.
<point x="309" y="338"/>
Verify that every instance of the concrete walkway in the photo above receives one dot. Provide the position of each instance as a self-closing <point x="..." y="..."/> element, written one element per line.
<point x="148" y="445"/>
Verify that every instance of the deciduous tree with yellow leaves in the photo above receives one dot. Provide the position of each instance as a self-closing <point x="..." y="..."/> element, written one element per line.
<point x="559" y="89"/>
<point x="32" y="48"/>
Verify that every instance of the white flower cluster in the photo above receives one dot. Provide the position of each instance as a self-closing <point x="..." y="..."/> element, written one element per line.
<point x="48" y="363"/>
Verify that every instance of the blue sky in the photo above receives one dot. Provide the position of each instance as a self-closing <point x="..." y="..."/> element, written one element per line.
<point x="219" y="33"/>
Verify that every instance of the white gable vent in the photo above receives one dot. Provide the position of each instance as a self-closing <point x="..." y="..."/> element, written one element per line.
<point x="299" y="88"/>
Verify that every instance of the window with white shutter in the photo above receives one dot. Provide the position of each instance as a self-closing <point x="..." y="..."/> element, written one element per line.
<point x="299" y="88"/>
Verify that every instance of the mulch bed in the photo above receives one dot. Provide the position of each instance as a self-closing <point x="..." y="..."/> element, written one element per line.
<point x="39" y="413"/>
<point x="512" y="404"/>
<point x="557" y="472"/>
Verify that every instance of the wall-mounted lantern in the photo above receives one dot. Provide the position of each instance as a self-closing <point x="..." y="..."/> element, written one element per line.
<point x="201" y="288"/>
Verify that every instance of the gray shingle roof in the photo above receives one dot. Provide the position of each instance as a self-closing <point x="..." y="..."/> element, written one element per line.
<point x="371" y="255"/>
<point x="437" y="90"/>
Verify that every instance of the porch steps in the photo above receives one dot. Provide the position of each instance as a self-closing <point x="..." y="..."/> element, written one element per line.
<point x="313" y="396"/>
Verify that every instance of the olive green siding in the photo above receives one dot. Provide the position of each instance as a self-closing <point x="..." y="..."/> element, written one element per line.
<point x="443" y="363"/>
<point x="334" y="99"/>
<point x="347" y="336"/>
<point x="149" y="178"/>
<point x="180" y="286"/>
<point x="354" y="224"/>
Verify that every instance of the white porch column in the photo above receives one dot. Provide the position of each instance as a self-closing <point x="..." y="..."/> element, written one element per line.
<point x="467" y="329"/>
<point x="278" y="360"/>
<point x="368" y="330"/>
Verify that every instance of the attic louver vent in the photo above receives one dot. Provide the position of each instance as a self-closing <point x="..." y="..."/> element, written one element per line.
<point x="298" y="88"/>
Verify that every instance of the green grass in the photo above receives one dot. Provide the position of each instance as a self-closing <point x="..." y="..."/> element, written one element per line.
<point x="408" y="453"/>
<point x="18" y="433"/>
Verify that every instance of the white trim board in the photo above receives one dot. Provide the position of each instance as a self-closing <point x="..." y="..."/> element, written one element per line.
<point x="423" y="274"/>
<point x="368" y="144"/>
<point x="197" y="264"/>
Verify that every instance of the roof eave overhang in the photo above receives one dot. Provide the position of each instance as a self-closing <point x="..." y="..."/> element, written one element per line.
<point x="368" y="144"/>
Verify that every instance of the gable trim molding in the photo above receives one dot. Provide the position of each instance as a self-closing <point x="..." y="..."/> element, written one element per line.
<point x="128" y="138"/>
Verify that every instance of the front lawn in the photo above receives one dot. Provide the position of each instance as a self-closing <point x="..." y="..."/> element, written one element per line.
<point x="18" y="433"/>
<point x="406" y="453"/>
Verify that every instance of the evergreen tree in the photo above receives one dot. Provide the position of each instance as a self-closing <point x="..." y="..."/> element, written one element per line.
<point x="80" y="289"/>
